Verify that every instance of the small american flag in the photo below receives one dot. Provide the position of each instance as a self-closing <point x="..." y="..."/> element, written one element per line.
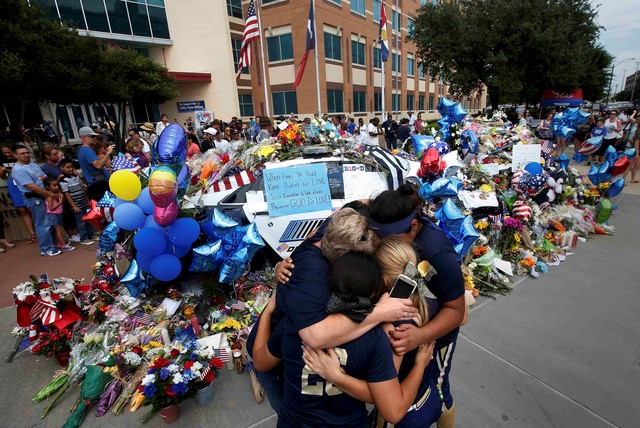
<point x="223" y="354"/>
<point x="250" y="34"/>
<point x="142" y="318"/>
<point x="124" y="163"/>
<point x="238" y="305"/>
<point x="205" y="371"/>
<point x="234" y="181"/>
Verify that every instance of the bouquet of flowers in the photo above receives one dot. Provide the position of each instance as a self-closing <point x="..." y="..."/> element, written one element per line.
<point x="291" y="135"/>
<point x="52" y="343"/>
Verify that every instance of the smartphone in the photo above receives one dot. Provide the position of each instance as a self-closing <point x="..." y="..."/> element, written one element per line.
<point x="403" y="288"/>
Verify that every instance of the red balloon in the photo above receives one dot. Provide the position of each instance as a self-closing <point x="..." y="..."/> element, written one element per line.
<point x="430" y="164"/>
<point x="95" y="217"/>
<point x="620" y="166"/>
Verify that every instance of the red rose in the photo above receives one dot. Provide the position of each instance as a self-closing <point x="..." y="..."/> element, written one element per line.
<point x="209" y="377"/>
<point x="159" y="363"/>
<point x="175" y="353"/>
<point x="140" y="388"/>
<point x="43" y="286"/>
<point x="216" y="362"/>
<point x="136" y="350"/>
<point x="169" y="392"/>
<point x="188" y="365"/>
<point x="29" y="300"/>
<point x="224" y="158"/>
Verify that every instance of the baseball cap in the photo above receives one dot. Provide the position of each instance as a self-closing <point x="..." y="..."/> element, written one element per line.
<point x="85" y="130"/>
<point x="211" y="131"/>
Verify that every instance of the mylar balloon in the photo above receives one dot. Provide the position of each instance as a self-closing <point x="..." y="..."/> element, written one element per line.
<point x="468" y="142"/>
<point x="234" y="266"/>
<point x="446" y="107"/>
<point x="420" y="143"/>
<point x="164" y="216"/>
<point x="459" y="113"/>
<point x="593" y="175"/>
<point x="171" y="146"/>
<point x="509" y="197"/>
<point x="125" y="185"/>
<point x="620" y="166"/>
<point x="144" y="201"/>
<point x="563" y="161"/>
<point x="603" y="172"/>
<point x="108" y="237"/>
<point x="150" y="241"/>
<point x="630" y="153"/>
<point x="604" y="211"/>
<point x="163" y="186"/>
<point x="206" y="258"/>
<point x="252" y="241"/>
<point x="133" y="280"/>
<point x="217" y="224"/>
<point x="440" y="146"/>
<point x="616" y="187"/>
<point x="611" y="155"/>
<point x="129" y="216"/>
<point x="166" y="267"/>
<point x="567" y="132"/>
<point x="184" y="180"/>
<point x="184" y="231"/>
<point x="534" y="168"/>
<point x="94" y="217"/>
<point x="430" y="164"/>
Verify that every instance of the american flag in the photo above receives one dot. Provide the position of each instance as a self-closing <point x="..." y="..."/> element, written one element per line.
<point x="224" y="354"/>
<point x="46" y="310"/>
<point x="142" y="318"/>
<point x="106" y="206"/>
<point x="124" y="163"/>
<point x="251" y="33"/>
<point x="234" y="181"/>
<point x="205" y="371"/>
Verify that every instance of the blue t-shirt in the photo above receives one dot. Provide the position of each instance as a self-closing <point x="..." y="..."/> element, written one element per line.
<point x="86" y="157"/>
<point x="27" y="174"/>
<point x="52" y="171"/>
<point x="311" y="401"/>
<point x="598" y="131"/>
<point x="448" y="284"/>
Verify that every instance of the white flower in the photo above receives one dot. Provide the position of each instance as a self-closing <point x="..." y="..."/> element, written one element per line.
<point x="150" y="378"/>
<point x="132" y="359"/>
<point x="178" y="378"/>
<point x="196" y="366"/>
<point x="173" y="367"/>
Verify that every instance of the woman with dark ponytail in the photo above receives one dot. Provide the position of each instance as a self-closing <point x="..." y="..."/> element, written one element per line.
<point x="399" y="212"/>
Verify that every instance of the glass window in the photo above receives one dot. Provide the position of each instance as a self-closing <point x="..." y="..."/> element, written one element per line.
<point x="357" y="52"/>
<point x="49" y="7"/>
<point x="421" y="102"/>
<point x="395" y="20"/>
<point x="334" y="101"/>
<point x="395" y="62"/>
<point x="338" y="2"/>
<point x="421" y="71"/>
<point x="234" y="8"/>
<point x="357" y="6"/>
<point x="377" y="101"/>
<point x="139" y="19"/>
<point x="430" y="102"/>
<point x="280" y="47"/>
<point x="156" y="2"/>
<point x="246" y="105"/>
<point x="332" y="46"/>
<point x="117" y="11"/>
<point x="96" y="16"/>
<point x="359" y="101"/>
<point x="236" y="45"/>
<point x="410" y="102"/>
<point x="395" y="102"/>
<point x="410" y="25"/>
<point x="377" y="60"/>
<point x="159" y="23"/>
<point x="65" y="122"/>
<point x="71" y="12"/>
<point x="284" y="102"/>
<point x="410" y="66"/>
<point x="376" y="10"/>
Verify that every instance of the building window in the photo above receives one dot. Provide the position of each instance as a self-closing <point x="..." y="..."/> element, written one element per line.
<point x="280" y="47"/>
<point x="357" y="6"/>
<point x="430" y="102"/>
<point x="359" y="101"/>
<point x="377" y="101"/>
<point x="117" y="11"/>
<point x="96" y="16"/>
<point x="377" y="60"/>
<point x="376" y="10"/>
<point x="139" y="19"/>
<point x="421" y="71"/>
<point x="410" y="102"/>
<point x="334" y="101"/>
<point x="284" y="102"/>
<point x="71" y="12"/>
<point x="236" y="45"/>
<point x="410" y="66"/>
<point x="395" y="62"/>
<point x="357" y="52"/>
<point x="421" y="102"/>
<point x="246" y="105"/>
<point x="159" y="25"/>
<point x="332" y="46"/>
<point x="410" y="25"/>
<point x="338" y="2"/>
<point x="395" y="20"/>
<point x="234" y="8"/>
<point x="395" y="102"/>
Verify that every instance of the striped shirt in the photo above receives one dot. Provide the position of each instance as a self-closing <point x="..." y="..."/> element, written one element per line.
<point x="73" y="186"/>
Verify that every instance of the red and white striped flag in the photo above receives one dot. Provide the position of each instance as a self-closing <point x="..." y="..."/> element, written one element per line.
<point x="224" y="354"/>
<point x="46" y="310"/>
<point x="234" y="181"/>
<point x="250" y="34"/>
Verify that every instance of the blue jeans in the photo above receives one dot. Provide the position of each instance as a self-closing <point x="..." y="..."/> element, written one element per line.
<point x="272" y="382"/>
<point x="38" y="210"/>
<point x="84" y="229"/>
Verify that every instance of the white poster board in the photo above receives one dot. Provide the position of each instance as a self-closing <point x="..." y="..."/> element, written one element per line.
<point x="524" y="154"/>
<point x="363" y="185"/>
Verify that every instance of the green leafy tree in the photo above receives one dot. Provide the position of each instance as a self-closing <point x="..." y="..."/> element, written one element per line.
<point x="516" y="49"/>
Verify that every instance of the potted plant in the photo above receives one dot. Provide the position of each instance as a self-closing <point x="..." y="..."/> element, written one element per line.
<point x="205" y="369"/>
<point x="54" y="344"/>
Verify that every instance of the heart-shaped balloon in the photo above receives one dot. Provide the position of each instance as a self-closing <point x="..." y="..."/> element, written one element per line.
<point x="620" y="166"/>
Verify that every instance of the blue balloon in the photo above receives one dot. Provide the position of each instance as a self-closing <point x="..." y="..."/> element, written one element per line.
<point x="469" y="142"/>
<point x="563" y="161"/>
<point x="459" y="113"/>
<point x="218" y="224"/>
<point x="207" y="257"/>
<point x="150" y="241"/>
<point x="144" y="261"/>
<point x="629" y="152"/>
<point x="534" y="168"/>
<point x="579" y="157"/>
<point x="133" y="280"/>
<point x="611" y="155"/>
<point x="420" y="143"/>
<point x="184" y="180"/>
<point x="252" y="240"/>
<point x="165" y="267"/>
<point x="108" y="237"/>
<point x="556" y="123"/>
<point x="144" y="201"/>
<point x="567" y="132"/>
<point x="440" y="146"/>
<point x="119" y="202"/>
<point x="171" y="146"/>
<point x="176" y="250"/>
<point x="184" y="231"/>
<point x="234" y="266"/>
<point x="593" y="175"/>
<point x="149" y="221"/>
<point x="604" y="172"/>
<point x="616" y="187"/>
<point x="128" y="216"/>
<point x="446" y="107"/>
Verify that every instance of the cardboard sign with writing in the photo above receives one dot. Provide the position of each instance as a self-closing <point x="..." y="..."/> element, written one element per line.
<point x="524" y="154"/>
<point x="297" y="189"/>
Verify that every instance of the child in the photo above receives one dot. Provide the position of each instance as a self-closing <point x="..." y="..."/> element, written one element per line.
<point x="598" y="131"/>
<point x="75" y="194"/>
<point x="134" y="152"/>
<point x="54" y="212"/>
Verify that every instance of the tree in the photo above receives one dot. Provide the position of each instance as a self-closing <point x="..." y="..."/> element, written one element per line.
<point x="516" y="49"/>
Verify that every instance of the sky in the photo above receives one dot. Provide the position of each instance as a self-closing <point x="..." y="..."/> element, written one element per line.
<point x="621" y="36"/>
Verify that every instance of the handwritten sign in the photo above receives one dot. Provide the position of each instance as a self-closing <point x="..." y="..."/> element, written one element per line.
<point x="297" y="189"/>
<point x="363" y="185"/>
<point x="524" y="154"/>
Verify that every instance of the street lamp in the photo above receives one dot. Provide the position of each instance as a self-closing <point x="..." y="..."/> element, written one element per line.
<point x="611" y="77"/>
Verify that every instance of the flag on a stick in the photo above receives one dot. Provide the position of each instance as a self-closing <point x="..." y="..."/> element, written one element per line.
<point x="311" y="44"/>
<point x="382" y="35"/>
<point x="250" y="34"/>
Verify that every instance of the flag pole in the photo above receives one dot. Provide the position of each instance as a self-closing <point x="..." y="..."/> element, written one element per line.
<point x="315" y="49"/>
<point x="264" y="69"/>
<point x="382" y="63"/>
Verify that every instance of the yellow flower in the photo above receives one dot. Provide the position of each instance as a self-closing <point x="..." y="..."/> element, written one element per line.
<point x="485" y="188"/>
<point x="517" y="238"/>
<point x="265" y="151"/>
<point x="155" y="344"/>
<point x="481" y="225"/>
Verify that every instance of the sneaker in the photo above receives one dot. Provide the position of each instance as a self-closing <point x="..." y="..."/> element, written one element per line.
<point x="75" y="238"/>
<point x="52" y="252"/>
<point x="66" y="248"/>
<point x="87" y="242"/>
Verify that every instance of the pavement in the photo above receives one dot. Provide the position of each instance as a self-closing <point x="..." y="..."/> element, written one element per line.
<point x="558" y="351"/>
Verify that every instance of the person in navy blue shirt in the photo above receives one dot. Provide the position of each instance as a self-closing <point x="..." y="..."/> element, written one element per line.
<point x="311" y="401"/>
<point x="93" y="168"/>
<point x="398" y="212"/>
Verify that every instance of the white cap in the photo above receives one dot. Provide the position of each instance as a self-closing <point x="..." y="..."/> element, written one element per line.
<point x="211" y="131"/>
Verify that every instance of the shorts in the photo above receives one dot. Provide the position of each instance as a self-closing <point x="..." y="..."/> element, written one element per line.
<point x="55" y="219"/>
<point x="15" y="194"/>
